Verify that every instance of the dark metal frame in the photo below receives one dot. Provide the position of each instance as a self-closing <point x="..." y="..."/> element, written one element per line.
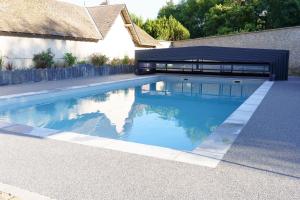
<point x="221" y="86"/>
<point x="277" y="61"/>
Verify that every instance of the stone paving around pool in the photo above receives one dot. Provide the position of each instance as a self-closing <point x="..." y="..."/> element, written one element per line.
<point x="209" y="153"/>
<point x="6" y="196"/>
<point x="262" y="163"/>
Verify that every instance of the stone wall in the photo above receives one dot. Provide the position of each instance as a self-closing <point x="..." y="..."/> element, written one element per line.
<point x="52" y="74"/>
<point x="284" y="38"/>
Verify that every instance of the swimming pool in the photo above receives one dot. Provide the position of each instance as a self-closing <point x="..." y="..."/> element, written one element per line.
<point x="173" y="112"/>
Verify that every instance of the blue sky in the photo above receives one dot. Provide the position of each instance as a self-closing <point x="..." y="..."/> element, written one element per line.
<point x="144" y="8"/>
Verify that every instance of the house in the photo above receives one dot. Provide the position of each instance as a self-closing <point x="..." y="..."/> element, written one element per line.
<point x="31" y="26"/>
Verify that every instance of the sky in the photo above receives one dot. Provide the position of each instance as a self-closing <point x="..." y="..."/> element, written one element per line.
<point x="144" y="8"/>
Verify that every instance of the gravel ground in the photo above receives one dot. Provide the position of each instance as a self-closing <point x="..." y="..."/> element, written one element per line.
<point x="5" y="196"/>
<point x="263" y="163"/>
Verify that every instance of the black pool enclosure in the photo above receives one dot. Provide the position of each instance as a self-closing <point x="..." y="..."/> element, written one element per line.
<point x="214" y="60"/>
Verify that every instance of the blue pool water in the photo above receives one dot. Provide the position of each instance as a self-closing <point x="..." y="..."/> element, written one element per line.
<point x="176" y="114"/>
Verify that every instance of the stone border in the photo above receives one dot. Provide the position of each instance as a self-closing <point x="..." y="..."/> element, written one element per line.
<point x="219" y="142"/>
<point x="134" y="148"/>
<point x="209" y="153"/>
<point x="21" y="194"/>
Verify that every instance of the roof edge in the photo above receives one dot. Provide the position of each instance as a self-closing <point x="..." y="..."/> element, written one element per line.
<point x="139" y="39"/>
<point x="46" y="36"/>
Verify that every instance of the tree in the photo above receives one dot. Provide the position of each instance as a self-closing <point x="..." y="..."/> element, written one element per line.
<point x="237" y="16"/>
<point x="191" y="13"/>
<point x="168" y="10"/>
<point x="166" y="28"/>
<point x="138" y="20"/>
<point x="280" y="13"/>
<point x="210" y="17"/>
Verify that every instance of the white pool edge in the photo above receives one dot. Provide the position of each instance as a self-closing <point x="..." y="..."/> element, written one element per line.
<point x="219" y="141"/>
<point x="209" y="153"/>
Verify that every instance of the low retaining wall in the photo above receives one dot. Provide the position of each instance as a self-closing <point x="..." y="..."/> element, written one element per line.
<point x="52" y="74"/>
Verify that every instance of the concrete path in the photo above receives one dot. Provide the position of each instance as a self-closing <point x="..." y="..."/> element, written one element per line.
<point x="263" y="163"/>
<point x="271" y="139"/>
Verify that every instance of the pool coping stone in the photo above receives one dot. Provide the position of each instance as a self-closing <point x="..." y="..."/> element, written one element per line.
<point x="209" y="153"/>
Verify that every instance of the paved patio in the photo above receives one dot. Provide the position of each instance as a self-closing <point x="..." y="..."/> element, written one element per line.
<point x="6" y="196"/>
<point x="263" y="163"/>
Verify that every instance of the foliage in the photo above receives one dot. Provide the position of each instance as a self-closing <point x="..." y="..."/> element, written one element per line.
<point x="211" y="17"/>
<point x="99" y="59"/>
<point x="280" y="13"/>
<point x="166" y="28"/>
<point x="224" y="19"/>
<point x="190" y="13"/>
<point x="127" y="61"/>
<point x="137" y="20"/>
<point x="82" y="62"/>
<point x="124" y="61"/>
<point x="70" y="59"/>
<point x="116" y="61"/>
<point x="43" y="59"/>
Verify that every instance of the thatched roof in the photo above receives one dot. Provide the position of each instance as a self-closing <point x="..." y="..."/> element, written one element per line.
<point x="46" y="18"/>
<point x="146" y="39"/>
<point x="104" y="17"/>
<point x="56" y="19"/>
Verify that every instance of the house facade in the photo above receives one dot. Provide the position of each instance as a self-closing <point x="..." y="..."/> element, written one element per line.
<point x="32" y="26"/>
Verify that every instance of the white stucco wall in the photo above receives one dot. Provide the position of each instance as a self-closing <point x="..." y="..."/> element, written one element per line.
<point x="118" y="41"/>
<point x="20" y="50"/>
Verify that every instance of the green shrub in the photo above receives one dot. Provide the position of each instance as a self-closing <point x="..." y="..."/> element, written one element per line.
<point x="70" y="60"/>
<point x="127" y="61"/>
<point x="116" y="61"/>
<point x="124" y="61"/>
<point x="82" y="62"/>
<point x="43" y="59"/>
<point x="166" y="28"/>
<point x="99" y="59"/>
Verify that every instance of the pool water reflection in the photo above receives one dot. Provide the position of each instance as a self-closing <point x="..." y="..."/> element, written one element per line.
<point x="173" y="114"/>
